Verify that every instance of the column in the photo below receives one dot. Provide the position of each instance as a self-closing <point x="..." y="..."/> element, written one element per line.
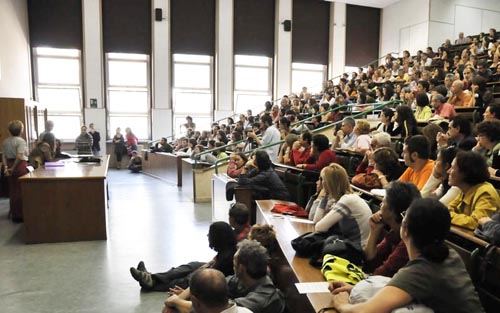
<point x="93" y="78"/>
<point x="339" y="39"/>
<point x="224" y="60"/>
<point x="283" y="50"/>
<point x="161" y="112"/>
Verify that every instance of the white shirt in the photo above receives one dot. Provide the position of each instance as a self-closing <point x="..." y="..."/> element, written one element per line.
<point x="271" y="135"/>
<point x="236" y="309"/>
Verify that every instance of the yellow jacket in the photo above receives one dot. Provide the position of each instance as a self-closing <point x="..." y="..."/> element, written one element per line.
<point x="482" y="200"/>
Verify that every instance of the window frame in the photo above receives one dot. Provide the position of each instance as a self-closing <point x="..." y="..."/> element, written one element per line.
<point x="249" y="92"/>
<point x="37" y="85"/>
<point x="125" y="88"/>
<point x="210" y="91"/>
<point x="324" y="72"/>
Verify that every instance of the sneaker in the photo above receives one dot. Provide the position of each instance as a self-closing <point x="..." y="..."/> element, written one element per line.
<point x="144" y="278"/>
<point x="141" y="267"/>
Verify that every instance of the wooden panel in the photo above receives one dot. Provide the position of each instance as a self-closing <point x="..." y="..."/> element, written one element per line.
<point x="165" y="166"/>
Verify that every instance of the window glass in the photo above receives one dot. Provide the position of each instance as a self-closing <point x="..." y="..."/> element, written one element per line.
<point x="254" y="102"/>
<point x="128" y="101"/>
<point x="252" y="82"/>
<point x="191" y="76"/>
<point x="192" y="92"/>
<point x="128" y="91"/>
<point x="311" y="76"/>
<point x="123" y="73"/>
<point x="190" y="101"/>
<point x="58" y="71"/>
<point x="248" y="78"/>
<point x="138" y="125"/>
<point x="66" y="127"/>
<point x="60" y="99"/>
<point x="58" y="89"/>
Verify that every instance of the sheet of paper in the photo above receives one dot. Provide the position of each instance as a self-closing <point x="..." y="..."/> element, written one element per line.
<point x="301" y="220"/>
<point x="318" y="287"/>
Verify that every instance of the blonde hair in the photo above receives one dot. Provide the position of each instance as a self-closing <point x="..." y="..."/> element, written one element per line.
<point x="335" y="181"/>
<point x="363" y="126"/>
<point x="15" y="128"/>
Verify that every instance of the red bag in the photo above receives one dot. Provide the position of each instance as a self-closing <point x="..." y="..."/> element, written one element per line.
<point x="290" y="209"/>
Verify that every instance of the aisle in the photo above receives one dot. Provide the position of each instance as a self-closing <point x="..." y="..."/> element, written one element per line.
<point x="148" y="220"/>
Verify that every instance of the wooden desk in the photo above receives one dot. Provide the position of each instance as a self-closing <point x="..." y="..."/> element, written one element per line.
<point x="162" y="165"/>
<point x="196" y="179"/>
<point x="286" y="230"/>
<point x="65" y="203"/>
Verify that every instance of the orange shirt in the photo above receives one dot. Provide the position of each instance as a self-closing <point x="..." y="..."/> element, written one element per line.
<point x="418" y="178"/>
<point x="461" y="100"/>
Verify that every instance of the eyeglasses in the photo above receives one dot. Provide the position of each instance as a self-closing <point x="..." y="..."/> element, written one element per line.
<point x="403" y="214"/>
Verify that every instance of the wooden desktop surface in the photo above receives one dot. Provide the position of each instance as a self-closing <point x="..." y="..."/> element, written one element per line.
<point x="286" y="230"/>
<point x="65" y="203"/>
<point x="71" y="170"/>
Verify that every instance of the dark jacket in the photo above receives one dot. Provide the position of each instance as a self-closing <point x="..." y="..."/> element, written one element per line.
<point x="266" y="184"/>
<point x="490" y="230"/>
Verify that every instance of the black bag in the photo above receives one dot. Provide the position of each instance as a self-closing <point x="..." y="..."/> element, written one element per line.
<point x="343" y="248"/>
<point x="309" y="244"/>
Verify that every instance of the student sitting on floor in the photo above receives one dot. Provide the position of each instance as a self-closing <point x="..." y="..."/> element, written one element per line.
<point x="135" y="164"/>
<point x="435" y="276"/>
<point x="239" y="219"/>
<point x="220" y="238"/>
<point x="249" y="287"/>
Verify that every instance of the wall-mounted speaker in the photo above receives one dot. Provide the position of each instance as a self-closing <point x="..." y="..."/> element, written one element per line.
<point x="158" y="15"/>
<point x="287" y="25"/>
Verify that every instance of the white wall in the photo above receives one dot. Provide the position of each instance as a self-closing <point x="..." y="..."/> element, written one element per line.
<point x="15" y="68"/>
<point x="449" y="17"/>
<point x="409" y="18"/>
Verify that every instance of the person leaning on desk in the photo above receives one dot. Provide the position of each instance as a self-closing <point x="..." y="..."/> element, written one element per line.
<point x="477" y="198"/>
<point x="435" y="276"/>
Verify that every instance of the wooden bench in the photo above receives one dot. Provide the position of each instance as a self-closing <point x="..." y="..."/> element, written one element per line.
<point x="292" y="269"/>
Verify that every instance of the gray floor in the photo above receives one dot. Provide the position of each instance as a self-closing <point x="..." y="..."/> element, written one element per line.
<point x="148" y="220"/>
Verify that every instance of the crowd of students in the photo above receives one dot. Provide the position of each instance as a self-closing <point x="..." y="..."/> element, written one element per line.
<point x="444" y="180"/>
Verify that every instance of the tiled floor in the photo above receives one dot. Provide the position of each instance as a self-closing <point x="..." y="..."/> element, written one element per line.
<point x="148" y="220"/>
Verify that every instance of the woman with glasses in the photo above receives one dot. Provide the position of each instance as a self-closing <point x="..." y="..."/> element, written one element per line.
<point x="435" y="276"/>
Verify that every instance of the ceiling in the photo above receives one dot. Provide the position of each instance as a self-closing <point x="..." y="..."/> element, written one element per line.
<point x="368" y="3"/>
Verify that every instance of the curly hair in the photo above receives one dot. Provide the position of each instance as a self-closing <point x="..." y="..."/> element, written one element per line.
<point x="254" y="257"/>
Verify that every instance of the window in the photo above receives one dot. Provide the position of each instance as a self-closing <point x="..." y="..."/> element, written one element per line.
<point x="128" y="96"/>
<point x="311" y="76"/>
<point x="252" y="82"/>
<point x="192" y="90"/>
<point x="58" y="87"/>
